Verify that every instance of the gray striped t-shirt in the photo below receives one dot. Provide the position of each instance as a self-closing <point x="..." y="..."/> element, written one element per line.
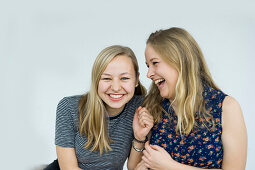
<point x="119" y="128"/>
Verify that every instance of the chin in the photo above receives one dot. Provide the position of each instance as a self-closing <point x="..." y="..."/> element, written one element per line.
<point x="117" y="105"/>
<point x="163" y="95"/>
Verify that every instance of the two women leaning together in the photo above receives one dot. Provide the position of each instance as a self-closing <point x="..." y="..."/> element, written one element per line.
<point x="184" y="121"/>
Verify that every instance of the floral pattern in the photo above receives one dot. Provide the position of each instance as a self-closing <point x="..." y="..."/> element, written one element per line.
<point x="202" y="147"/>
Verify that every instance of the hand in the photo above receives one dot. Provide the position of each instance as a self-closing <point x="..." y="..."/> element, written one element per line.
<point x="156" y="157"/>
<point x="141" y="166"/>
<point x="142" y="123"/>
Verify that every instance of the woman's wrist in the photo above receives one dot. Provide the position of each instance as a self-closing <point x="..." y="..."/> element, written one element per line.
<point x="138" y="147"/>
<point x="141" y="140"/>
<point x="172" y="164"/>
<point x="140" y="137"/>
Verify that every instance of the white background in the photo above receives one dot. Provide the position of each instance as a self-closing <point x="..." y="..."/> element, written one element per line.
<point x="47" y="49"/>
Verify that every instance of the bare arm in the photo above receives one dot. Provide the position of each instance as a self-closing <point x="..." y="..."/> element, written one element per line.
<point x="135" y="157"/>
<point x="67" y="158"/>
<point x="234" y="139"/>
<point x="156" y="157"/>
<point x="142" y="124"/>
<point x="234" y="135"/>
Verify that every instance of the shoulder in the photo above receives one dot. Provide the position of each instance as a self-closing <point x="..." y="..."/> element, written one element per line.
<point x="212" y="94"/>
<point x="67" y="111"/>
<point x="234" y="134"/>
<point x="230" y="104"/>
<point x="68" y="106"/>
<point x="214" y="100"/>
<point x="137" y="100"/>
<point x="231" y="111"/>
<point x="69" y="100"/>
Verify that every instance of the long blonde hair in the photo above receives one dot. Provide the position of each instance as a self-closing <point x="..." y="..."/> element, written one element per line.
<point x="179" y="49"/>
<point x="92" y="111"/>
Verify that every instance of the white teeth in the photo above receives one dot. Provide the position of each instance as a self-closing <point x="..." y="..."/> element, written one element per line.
<point x="159" y="80"/>
<point x="115" y="96"/>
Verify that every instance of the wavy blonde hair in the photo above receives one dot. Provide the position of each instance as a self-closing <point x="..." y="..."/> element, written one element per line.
<point x="179" y="49"/>
<point x="92" y="111"/>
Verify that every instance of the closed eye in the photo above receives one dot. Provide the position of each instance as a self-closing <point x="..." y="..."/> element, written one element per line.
<point x="155" y="62"/>
<point x="105" y="78"/>
<point x="125" y="78"/>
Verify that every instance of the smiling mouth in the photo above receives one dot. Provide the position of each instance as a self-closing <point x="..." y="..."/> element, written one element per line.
<point x="116" y="96"/>
<point x="159" y="81"/>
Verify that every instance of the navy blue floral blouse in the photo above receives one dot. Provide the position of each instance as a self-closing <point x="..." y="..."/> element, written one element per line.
<point x="202" y="147"/>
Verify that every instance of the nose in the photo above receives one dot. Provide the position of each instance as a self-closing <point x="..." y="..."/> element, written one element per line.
<point x="116" y="86"/>
<point x="150" y="72"/>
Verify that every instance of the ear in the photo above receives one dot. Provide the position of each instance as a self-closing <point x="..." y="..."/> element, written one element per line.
<point x="137" y="80"/>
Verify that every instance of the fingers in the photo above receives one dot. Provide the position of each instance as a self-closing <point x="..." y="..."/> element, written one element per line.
<point x="141" y="166"/>
<point x="146" y="123"/>
<point x="139" y="108"/>
<point x="143" y="109"/>
<point x="142" y="123"/>
<point x="145" y="114"/>
<point x="146" y="154"/>
<point x="146" y="161"/>
<point x="156" y="147"/>
<point x="137" y="113"/>
<point x="146" y="157"/>
<point x="145" y="118"/>
<point x="147" y="147"/>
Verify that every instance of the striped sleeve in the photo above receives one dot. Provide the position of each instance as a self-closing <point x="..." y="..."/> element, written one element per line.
<point x="64" y="128"/>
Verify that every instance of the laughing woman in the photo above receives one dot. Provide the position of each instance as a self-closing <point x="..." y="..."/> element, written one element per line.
<point x="94" y="131"/>
<point x="196" y="124"/>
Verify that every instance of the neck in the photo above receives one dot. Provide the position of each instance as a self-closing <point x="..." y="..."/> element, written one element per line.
<point x="113" y="111"/>
<point x="173" y="104"/>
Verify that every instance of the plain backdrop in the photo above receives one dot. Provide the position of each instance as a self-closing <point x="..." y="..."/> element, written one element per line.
<point x="47" y="49"/>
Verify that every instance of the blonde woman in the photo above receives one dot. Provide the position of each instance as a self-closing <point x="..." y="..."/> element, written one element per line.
<point x="196" y="124"/>
<point x="94" y="131"/>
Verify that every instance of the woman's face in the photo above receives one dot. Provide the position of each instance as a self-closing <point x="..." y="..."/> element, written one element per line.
<point x="117" y="84"/>
<point x="164" y="75"/>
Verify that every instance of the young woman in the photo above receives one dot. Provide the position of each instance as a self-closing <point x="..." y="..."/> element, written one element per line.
<point x="196" y="124"/>
<point x="94" y="131"/>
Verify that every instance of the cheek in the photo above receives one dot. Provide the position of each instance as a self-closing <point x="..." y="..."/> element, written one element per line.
<point x="102" y="87"/>
<point x="129" y="87"/>
<point x="172" y="76"/>
<point x="176" y="75"/>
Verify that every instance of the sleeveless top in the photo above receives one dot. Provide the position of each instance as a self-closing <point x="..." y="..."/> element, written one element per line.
<point x="202" y="147"/>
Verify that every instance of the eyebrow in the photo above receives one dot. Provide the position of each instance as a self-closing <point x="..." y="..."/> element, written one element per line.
<point x="153" y="58"/>
<point x="107" y="74"/>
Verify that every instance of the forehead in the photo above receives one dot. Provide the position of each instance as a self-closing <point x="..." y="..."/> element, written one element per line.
<point x="151" y="54"/>
<point x="120" y="64"/>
